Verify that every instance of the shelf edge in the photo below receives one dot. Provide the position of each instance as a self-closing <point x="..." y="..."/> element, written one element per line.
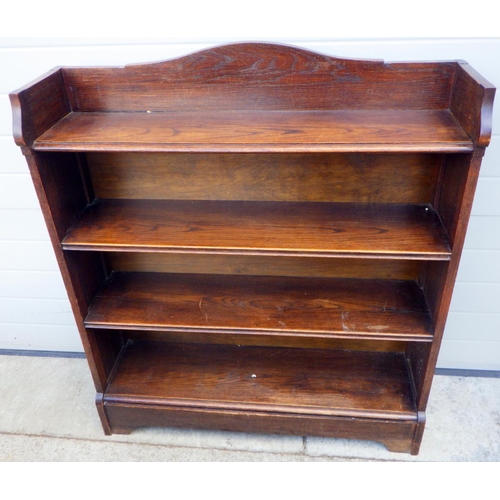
<point x="444" y="147"/>
<point x="351" y="335"/>
<point x="258" y="408"/>
<point x="271" y="253"/>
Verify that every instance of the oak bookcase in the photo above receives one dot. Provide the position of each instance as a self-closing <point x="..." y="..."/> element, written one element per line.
<point x="259" y="238"/>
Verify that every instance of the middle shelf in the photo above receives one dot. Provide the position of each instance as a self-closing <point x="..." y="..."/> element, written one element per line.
<point x="314" y="229"/>
<point x="262" y="305"/>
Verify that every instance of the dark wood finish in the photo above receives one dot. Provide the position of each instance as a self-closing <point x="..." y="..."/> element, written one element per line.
<point x="440" y="280"/>
<point x="38" y="106"/>
<point x="61" y="197"/>
<point x="341" y="308"/>
<point x="260" y="76"/>
<point x="346" y="178"/>
<point x="259" y="340"/>
<point x="257" y="209"/>
<point x="397" y="435"/>
<point x="261" y="228"/>
<point x="108" y="345"/>
<point x="257" y="265"/>
<point x="310" y="381"/>
<point x="49" y="172"/>
<point x="257" y="131"/>
<point x="294" y="391"/>
<point x="454" y="184"/>
<point x="472" y="104"/>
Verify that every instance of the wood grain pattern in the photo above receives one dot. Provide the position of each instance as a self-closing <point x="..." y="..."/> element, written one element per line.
<point x="324" y="255"/>
<point x="259" y="131"/>
<point x="455" y="172"/>
<point x="261" y="228"/>
<point x="255" y="339"/>
<point x="341" y="308"/>
<point x="83" y="274"/>
<point x="472" y="104"/>
<point x="397" y="435"/>
<point x="62" y="207"/>
<point x="262" y="265"/>
<point x="440" y="280"/>
<point x="38" y="106"/>
<point x="260" y="76"/>
<point x="300" y="381"/>
<point x="354" y="177"/>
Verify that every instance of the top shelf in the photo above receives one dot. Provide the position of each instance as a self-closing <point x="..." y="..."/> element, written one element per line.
<point x="258" y="131"/>
<point x="257" y="97"/>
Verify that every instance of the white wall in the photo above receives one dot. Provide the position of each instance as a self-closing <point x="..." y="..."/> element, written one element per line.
<point x="34" y="310"/>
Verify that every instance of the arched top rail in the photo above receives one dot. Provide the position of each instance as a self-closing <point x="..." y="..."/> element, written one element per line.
<point x="328" y="103"/>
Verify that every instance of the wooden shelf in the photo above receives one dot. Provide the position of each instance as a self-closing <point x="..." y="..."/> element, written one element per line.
<point x="283" y="306"/>
<point x="264" y="379"/>
<point x="321" y="202"/>
<point x="261" y="228"/>
<point x="259" y="131"/>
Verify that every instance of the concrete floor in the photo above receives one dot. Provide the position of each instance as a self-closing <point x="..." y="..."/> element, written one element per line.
<point x="47" y="413"/>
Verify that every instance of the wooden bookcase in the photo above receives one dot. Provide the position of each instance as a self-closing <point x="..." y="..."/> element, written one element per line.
<point x="259" y="238"/>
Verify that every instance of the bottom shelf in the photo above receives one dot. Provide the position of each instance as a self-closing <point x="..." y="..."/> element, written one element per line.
<point x="289" y="380"/>
<point x="360" y="394"/>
